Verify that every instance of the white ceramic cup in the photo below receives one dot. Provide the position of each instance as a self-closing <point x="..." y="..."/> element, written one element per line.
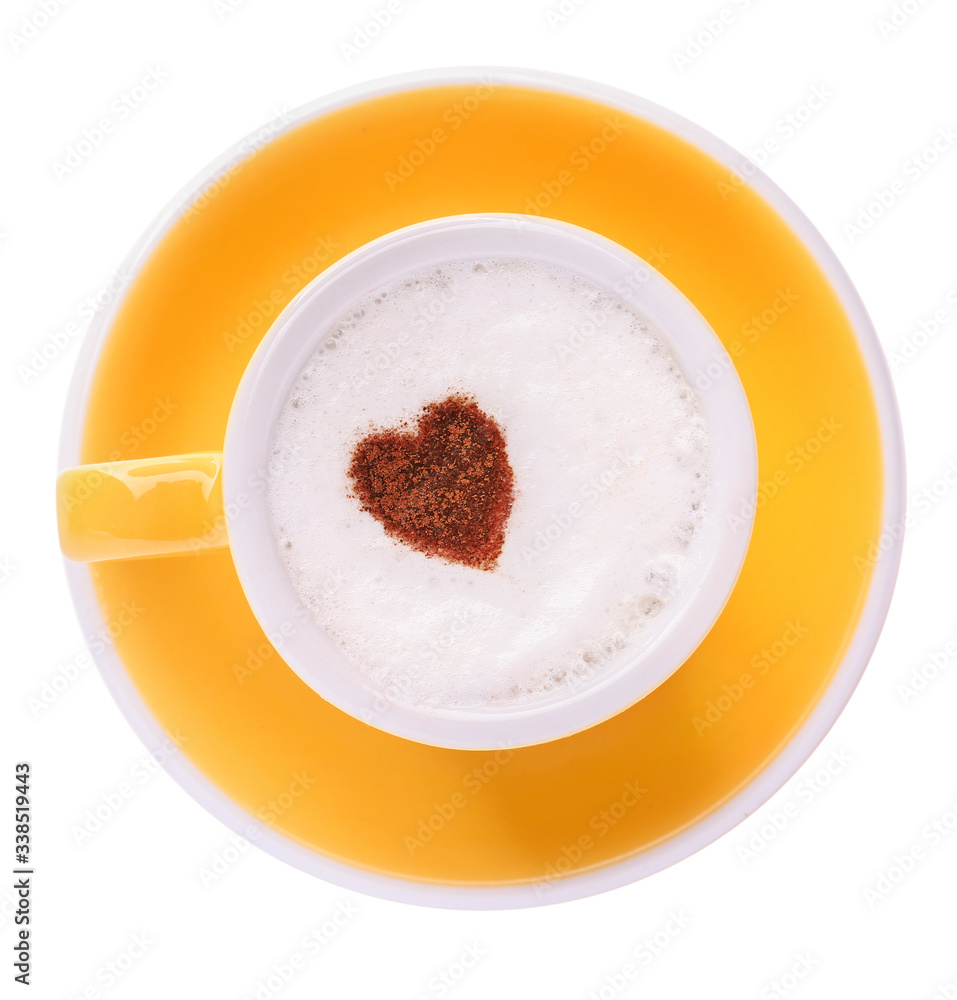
<point x="311" y="317"/>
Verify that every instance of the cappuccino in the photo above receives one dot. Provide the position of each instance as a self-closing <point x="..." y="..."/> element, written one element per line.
<point x="489" y="482"/>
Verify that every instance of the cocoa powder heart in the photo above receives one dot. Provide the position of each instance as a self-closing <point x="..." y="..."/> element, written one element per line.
<point x="444" y="487"/>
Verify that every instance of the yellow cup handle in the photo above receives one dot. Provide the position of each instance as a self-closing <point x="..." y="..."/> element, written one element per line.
<point x="143" y="507"/>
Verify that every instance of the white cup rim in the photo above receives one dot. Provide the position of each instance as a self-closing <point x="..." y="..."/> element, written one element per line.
<point x="724" y="817"/>
<point x="309" y="319"/>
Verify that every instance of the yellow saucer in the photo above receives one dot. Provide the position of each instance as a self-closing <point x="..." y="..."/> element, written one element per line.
<point x="703" y="749"/>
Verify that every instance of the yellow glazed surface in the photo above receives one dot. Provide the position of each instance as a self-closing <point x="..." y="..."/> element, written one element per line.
<point x="141" y="507"/>
<point x="189" y="324"/>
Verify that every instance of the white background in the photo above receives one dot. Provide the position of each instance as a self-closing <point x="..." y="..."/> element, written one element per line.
<point x="228" y="70"/>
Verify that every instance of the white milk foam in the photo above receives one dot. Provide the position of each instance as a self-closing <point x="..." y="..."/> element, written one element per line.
<point x="612" y="463"/>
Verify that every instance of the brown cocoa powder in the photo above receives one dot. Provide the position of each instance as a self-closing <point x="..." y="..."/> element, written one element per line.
<point x="444" y="487"/>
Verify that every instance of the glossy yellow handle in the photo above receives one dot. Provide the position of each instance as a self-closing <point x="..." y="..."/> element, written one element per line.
<point x="145" y="507"/>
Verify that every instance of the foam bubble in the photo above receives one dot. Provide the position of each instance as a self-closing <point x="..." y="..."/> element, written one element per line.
<point x="611" y="456"/>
